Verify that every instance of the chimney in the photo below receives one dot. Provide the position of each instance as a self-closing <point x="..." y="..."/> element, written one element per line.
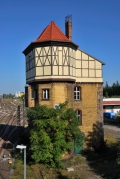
<point x="68" y="27"/>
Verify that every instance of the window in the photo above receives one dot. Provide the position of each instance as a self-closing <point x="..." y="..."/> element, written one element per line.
<point x="45" y="93"/>
<point x="32" y="94"/>
<point x="79" y="116"/>
<point x="29" y="62"/>
<point x="77" y="93"/>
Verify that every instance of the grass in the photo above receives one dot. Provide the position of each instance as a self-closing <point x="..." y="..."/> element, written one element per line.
<point x="74" y="161"/>
<point x="105" y="165"/>
<point x="33" y="171"/>
<point x="109" y="139"/>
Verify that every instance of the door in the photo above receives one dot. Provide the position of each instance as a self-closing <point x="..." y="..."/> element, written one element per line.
<point x="78" y="149"/>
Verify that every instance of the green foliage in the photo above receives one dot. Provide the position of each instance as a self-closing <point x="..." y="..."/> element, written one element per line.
<point x="111" y="91"/>
<point x="52" y="133"/>
<point x="106" y="94"/>
<point x="8" y="96"/>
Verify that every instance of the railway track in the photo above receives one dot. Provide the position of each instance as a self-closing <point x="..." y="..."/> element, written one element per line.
<point x="9" y="126"/>
<point x="10" y="130"/>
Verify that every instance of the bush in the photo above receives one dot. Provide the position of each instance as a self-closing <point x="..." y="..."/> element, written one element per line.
<point x="52" y="132"/>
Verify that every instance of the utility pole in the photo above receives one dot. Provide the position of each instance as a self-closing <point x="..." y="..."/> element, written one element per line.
<point x="23" y="112"/>
<point x="18" y="115"/>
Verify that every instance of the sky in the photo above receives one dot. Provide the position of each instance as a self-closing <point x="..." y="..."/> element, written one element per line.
<point x="95" y="28"/>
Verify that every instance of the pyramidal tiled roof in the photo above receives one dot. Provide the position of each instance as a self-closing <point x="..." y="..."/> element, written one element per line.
<point x="52" y="32"/>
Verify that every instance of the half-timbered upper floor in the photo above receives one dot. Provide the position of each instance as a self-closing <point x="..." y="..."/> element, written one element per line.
<point x="54" y="57"/>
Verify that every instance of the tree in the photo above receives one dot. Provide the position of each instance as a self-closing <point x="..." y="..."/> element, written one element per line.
<point x="8" y="96"/>
<point x="106" y="85"/>
<point x="111" y="91"/>
<point x="106" y="94"/>
<point x="52" y="132"/>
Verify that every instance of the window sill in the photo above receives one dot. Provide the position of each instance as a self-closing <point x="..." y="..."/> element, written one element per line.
<point x="77" y="100"/>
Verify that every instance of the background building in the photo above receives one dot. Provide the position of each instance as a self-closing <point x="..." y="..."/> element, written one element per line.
<point x="111" y="105"/>
<point x="56" y="70"/>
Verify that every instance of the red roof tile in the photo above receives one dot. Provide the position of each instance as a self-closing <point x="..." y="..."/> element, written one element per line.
<point x="52" y="32"/>
<point x="111" y="102"/>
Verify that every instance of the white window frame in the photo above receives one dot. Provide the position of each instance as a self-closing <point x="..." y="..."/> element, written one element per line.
<point x="45" y="94"/>
<point x="76" y="93"/>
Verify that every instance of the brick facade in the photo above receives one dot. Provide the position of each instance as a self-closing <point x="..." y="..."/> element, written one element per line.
<point x="89" y="104"/>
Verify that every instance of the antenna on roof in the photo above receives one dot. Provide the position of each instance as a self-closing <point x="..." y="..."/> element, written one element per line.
<point x="68" y="27"/>
<point x="68" y="18"/>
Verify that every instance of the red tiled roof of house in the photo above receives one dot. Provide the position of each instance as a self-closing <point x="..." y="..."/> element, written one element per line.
<point x="52" y="32"/>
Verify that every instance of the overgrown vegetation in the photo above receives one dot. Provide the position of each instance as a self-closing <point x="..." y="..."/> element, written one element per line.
<point x="104" y="164"/>
<point x="52" y="133"/>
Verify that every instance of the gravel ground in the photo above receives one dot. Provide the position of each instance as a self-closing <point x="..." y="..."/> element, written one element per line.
<point x="5" y="167"/>
<point x="112" y="129"/>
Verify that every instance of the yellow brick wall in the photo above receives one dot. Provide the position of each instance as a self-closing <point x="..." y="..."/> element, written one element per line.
<point x="88" y="104"/>
<point x="60" y="92"/>
<point x="31" y="102"/>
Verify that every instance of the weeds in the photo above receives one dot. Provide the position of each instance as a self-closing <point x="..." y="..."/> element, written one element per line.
<point x="92" y="164"/>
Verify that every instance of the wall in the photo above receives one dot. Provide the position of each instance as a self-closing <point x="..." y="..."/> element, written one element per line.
<point x="90" y="103"/>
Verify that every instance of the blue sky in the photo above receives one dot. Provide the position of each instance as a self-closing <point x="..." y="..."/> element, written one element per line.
<point x="96" y="29"/>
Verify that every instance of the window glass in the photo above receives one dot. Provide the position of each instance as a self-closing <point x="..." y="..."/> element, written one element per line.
<point x="32" y="94"/>
<point x="79" y="116"/>
<point x="45" y="93"/>
<point x="77" y="93"/>
<point x="29" y="61"/>
<point x="30" y="64"/>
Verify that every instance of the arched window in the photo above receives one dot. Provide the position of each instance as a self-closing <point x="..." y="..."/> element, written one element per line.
<point x="77" y="93"/>
<point x="79" y="116"/>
